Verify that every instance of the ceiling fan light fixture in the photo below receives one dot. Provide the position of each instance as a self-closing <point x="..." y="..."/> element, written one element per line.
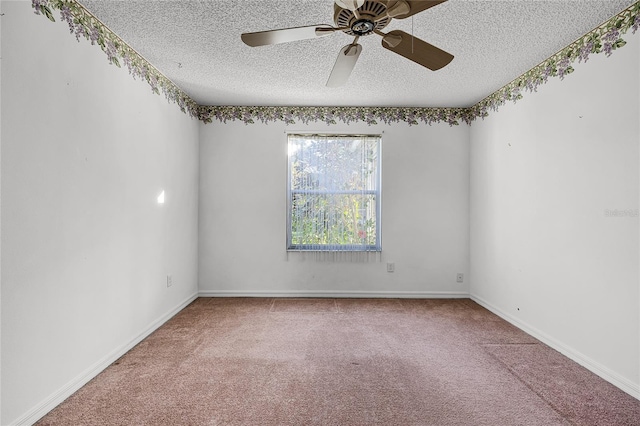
<point x="350" y="4"/>
<point x="363" y="27"/>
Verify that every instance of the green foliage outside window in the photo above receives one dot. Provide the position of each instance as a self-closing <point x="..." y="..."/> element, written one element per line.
<point x="333" y="192"/>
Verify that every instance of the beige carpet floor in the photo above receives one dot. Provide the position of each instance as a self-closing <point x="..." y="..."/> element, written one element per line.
<point x="234" y="361"/>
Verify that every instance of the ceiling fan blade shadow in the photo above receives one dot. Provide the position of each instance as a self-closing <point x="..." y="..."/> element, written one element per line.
<point x="285" y="35"/>
<point x="345" y="62"/>
<point x="419" y="51"/>
<point x="417" y="6"/>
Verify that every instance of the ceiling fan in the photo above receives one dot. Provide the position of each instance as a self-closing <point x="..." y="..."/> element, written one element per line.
<point x="361" y="18"/>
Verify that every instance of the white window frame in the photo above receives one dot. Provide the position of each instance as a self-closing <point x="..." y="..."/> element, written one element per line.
<point x="377" y="193"/>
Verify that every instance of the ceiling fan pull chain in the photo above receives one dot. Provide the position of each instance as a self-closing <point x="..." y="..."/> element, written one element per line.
<point x="411" y="33"/>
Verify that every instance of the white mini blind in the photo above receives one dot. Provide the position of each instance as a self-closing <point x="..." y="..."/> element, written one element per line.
<point x="334" y="193"/>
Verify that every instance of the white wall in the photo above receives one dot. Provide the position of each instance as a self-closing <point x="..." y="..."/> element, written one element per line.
<point x="85" y="246"/>
<point x="544" y="254"/>
<point x="425" y="222"/>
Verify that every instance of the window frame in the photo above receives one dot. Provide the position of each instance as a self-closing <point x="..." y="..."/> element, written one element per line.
<point x="377" y="193"/>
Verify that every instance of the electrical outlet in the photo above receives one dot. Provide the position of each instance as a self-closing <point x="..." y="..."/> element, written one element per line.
<point x="459" y="277"/>
<point x="169" y="281"/>
<point x="391" y="267"/>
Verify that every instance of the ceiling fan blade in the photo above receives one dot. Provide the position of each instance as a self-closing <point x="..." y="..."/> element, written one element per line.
<point x="419" y="51"/>
<point x="285" y="35"/>
<point x="345" y="62"/>
<point x="417" y="6"/>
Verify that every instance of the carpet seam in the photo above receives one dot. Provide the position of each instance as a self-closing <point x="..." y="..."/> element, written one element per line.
<point x="514" y="374"/>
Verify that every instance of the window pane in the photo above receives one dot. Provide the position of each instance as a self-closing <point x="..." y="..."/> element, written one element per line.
<point x="333" y="192"/>
<point x="333" y="219"/>
<point x="334" y="165"/>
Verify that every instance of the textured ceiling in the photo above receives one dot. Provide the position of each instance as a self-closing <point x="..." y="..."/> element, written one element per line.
<point x="197" y="45"/>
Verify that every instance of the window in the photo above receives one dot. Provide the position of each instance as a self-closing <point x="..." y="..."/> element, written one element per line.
<point x="334" y="193"/>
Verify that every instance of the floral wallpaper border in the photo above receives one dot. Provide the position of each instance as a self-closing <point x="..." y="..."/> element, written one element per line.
<point x="83" y="24"/>
<point x="333" y="115"/>
<point x="604" y="39"/>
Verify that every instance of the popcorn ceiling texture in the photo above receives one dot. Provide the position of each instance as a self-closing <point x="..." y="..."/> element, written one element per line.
<point x="197" y="45"/>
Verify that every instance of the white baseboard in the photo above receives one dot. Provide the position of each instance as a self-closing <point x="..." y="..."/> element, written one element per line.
<point x="610" y="376"/>
<point x="53" y="400"/>
<point x="339" y="294"/>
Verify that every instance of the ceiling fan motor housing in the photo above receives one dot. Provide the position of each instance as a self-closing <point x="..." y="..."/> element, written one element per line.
<point x="365" y="23"/>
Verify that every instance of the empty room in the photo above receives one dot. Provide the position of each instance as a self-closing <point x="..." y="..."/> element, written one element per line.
<point x="320" y="212"/>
